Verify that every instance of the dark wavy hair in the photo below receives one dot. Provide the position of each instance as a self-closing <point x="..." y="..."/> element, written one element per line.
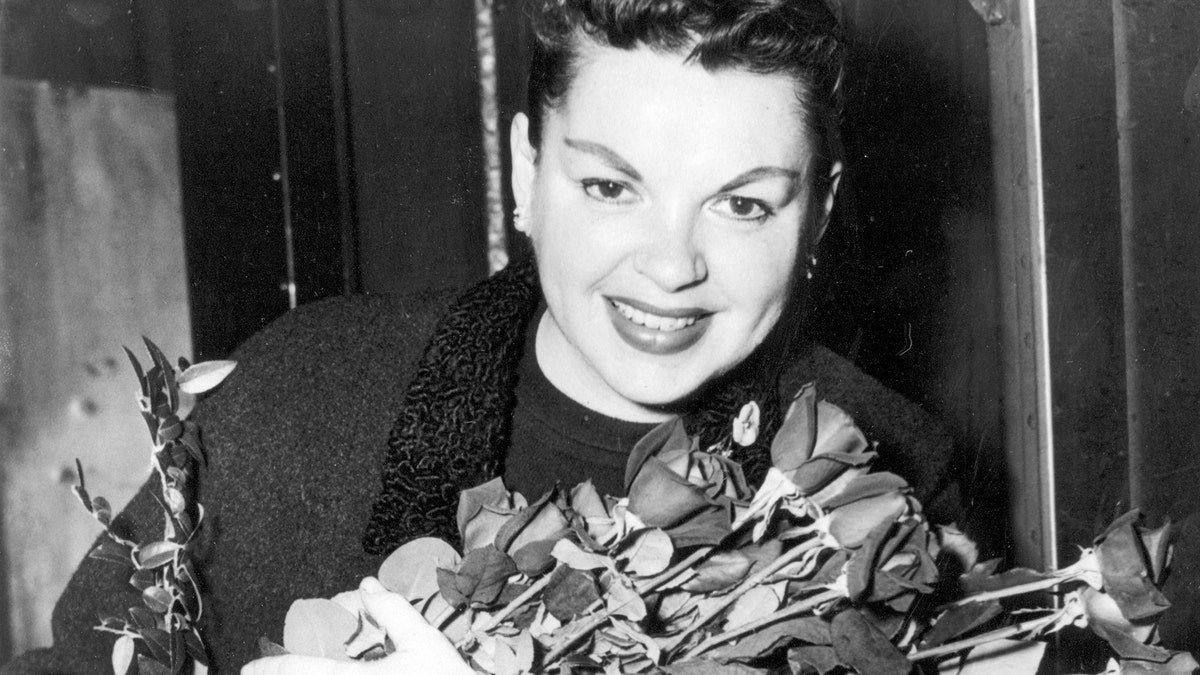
<point x="799" y="38"/>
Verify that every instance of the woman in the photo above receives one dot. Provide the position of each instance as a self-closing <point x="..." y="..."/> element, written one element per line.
<point x="675" y="173"/>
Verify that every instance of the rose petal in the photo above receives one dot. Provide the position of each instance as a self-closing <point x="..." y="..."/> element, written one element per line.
<point x="661" y="498"/>
<point x="795" y="439"/>
<point x="836" y="431"/>
<point x="664" y="437"/>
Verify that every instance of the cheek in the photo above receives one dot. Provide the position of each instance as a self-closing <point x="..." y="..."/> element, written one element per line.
<point x="762" y="279"/>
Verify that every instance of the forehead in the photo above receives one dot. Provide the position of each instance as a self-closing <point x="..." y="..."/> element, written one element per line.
<point x="658" y="102"/>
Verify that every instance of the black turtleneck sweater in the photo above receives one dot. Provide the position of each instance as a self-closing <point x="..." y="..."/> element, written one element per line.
<point x="556" y="439"/>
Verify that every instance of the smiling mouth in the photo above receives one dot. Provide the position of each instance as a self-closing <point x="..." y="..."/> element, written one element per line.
<point x="655" y="330"/>
<point x="666" y="324"/>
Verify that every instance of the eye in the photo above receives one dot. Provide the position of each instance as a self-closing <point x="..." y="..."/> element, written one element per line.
<point x="742" y="208"/>
<point x="609" y="191"/>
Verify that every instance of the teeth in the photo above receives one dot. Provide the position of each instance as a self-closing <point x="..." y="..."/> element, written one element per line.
<point x="662" y="323"/>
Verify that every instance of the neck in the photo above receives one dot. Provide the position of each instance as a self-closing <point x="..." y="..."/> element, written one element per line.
<point x="554" y="357"/>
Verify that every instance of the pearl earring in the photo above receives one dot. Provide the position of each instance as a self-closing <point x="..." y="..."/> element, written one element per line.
<point x="812" y="265"/>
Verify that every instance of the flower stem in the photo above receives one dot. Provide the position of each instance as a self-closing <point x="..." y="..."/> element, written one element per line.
<point x="998" y="634"/>
<point x="1030" y="587"/>
<point x="785" y="613"/>
<point x="516" y="603"/>
<point x="677" y="569"/>
<point x="593" y="622"/>
<point x="748" y="584"/>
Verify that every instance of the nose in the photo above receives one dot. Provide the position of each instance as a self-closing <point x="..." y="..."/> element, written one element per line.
<point x="673" y="258"/>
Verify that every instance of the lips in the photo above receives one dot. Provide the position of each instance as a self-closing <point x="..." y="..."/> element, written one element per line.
<point x="657" y="330"/>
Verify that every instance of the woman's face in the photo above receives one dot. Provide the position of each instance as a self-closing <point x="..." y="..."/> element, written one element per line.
<point x="666" y="207"/>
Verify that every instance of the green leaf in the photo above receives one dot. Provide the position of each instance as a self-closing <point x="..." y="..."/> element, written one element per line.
<point x="861" y="646"/>
<point x="150" y="666"/>
<point x="268" y="648"/>
<point x="820" y="658"/>
<point x="195" y="647"/>
<point x="159" y="644"/>
<point x="982" y="578"/>
<point x="178" y="652"/>
<point x="169" y="428"/>
<point x="158" y="599"/>
<point x="482" y="575"/>
<point x="1180" y="663"/>
<point x="142" y="579"/>
<point x="81" y="490"/>
<point x="191" y="440"/>
<point x="535" y="558"/>
<point x="205" y="376"/>
<point x="122" y="654"/>
<point x="958" y="620"/>
<point x="137" y="369"/>
<point x="111" y="551"/>
<point x="621" y="598"/>
<point x="569" y="593"/>
<point x="411" y="570"/>
<point x="810" y="629"/>
<point x="752" y="605"/>
<point x="719" y="571"/>
<point x="1127" y="578"/>
<point x="1000" y="657"/>
<point x="157" y="554"/>
<point x="144" y="618"/>
<point x="318" y="627"/>
<point x="569" y="553"/>
<point x="102" y="511"/>
<point x="646" y="553"/>
<point x="710" y="667"/>
<point x="448" y="588"/>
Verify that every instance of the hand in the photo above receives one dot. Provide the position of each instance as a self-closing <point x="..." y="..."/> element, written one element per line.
<point x="420" y="648"/>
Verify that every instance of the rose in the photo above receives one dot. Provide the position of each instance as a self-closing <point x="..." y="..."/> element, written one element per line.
<point x="671" y="484"/>
<point x="483" y="510"/>
<point x="818" y="444"/>
<point x="530" y="534"/>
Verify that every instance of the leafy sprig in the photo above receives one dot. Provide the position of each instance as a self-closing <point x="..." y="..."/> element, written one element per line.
<point x="161" y="635"/>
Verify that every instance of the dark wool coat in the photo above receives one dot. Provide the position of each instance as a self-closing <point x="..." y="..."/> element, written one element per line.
<point x="296" y="439"/>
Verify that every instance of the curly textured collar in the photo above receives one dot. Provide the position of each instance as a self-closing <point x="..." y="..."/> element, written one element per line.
<point x="453" y="429"/>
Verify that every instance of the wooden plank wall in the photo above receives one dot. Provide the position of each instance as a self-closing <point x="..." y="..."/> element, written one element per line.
<point x="907" y="286"/>
<point x="1158" y="116"/>
<point x="91" y="258"/>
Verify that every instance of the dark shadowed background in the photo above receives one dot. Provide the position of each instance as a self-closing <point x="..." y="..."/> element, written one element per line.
<point x="1017" y="249"/>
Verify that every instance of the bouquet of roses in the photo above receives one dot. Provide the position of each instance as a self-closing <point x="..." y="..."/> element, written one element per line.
<point x="825" y="567"/>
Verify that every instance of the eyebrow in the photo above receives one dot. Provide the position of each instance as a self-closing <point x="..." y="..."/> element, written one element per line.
<point x="759" y="174"/>
<point x="617" y="162"/>
<point x="605" y="153"/>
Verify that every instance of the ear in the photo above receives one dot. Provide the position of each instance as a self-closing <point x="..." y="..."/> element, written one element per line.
<point x="523" y="166"/>
<point x="835" y="178"/>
